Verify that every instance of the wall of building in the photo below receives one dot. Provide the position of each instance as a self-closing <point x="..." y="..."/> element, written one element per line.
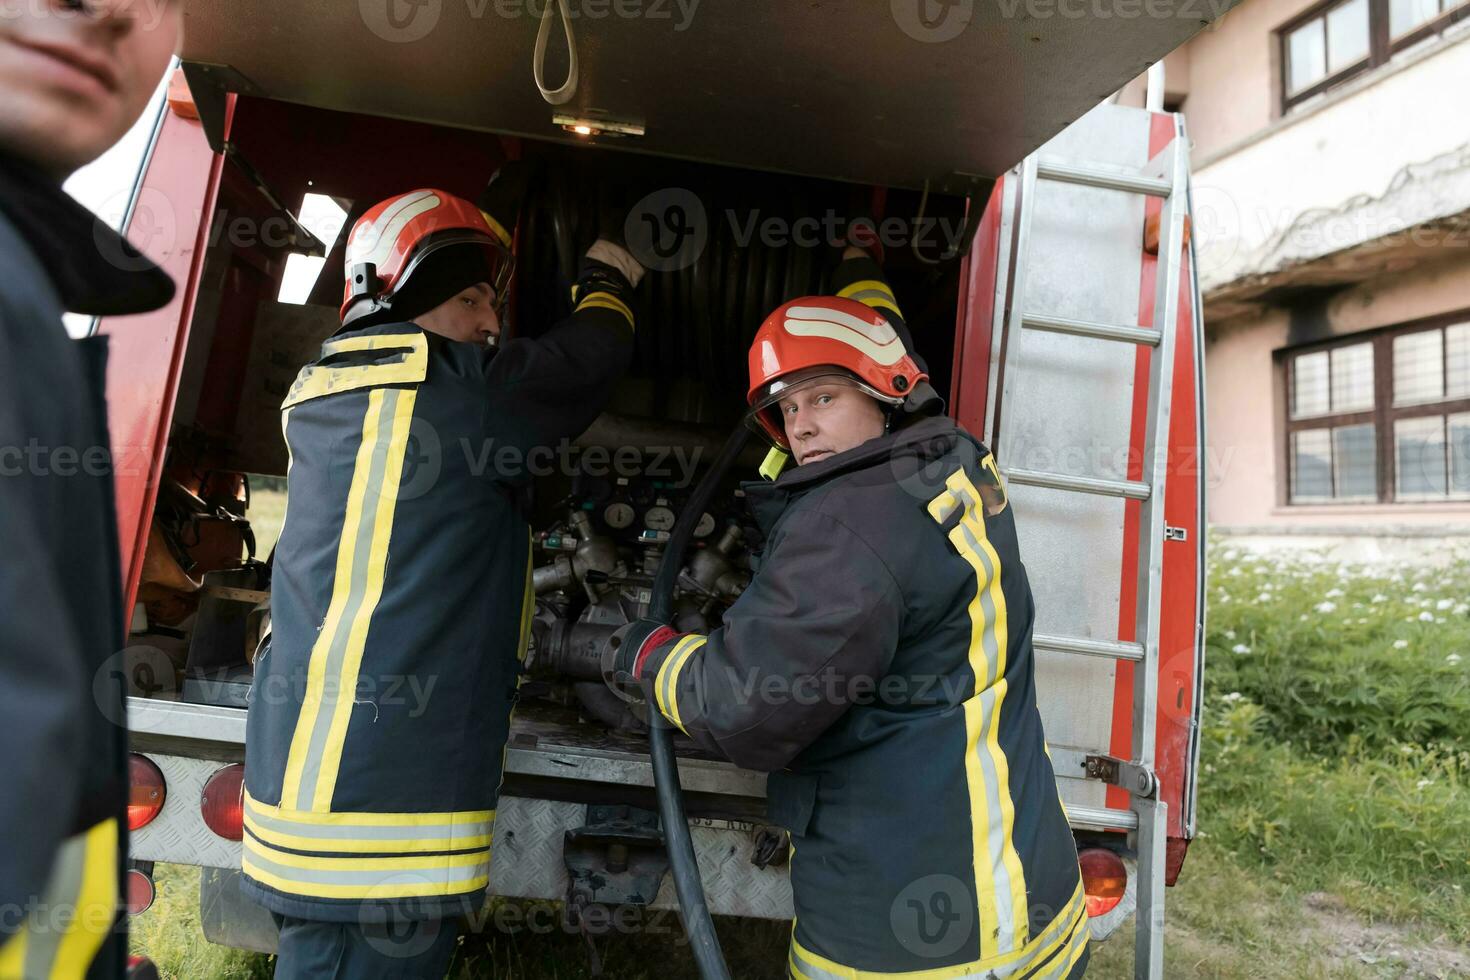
<point x="1233" y="76"/>
<point x="1245" y="418"/>
<point x="1376" y="157"/>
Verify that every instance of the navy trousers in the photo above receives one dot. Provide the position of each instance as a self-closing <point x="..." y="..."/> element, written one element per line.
<point x="402" y="950"/>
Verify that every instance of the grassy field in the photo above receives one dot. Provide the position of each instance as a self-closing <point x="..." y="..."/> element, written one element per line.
<point x="1335" y="803"/>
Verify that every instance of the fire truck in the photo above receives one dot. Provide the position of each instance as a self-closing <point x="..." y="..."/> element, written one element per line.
<point x="1036" y="233"/>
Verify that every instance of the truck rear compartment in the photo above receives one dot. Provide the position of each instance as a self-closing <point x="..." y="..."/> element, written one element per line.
<point x="599" y="523"/>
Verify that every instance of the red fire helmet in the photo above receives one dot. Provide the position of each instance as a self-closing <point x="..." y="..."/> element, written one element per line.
<point x="820" y="338"/>
<point x="390" y="241"/>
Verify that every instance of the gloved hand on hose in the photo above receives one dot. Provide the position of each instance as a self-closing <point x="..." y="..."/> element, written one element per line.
<point x="626" y="651"/>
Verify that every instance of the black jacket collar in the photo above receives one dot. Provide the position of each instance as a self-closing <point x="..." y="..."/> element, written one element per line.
<point x="94" y="269"/>
<point x="926" y="438"/>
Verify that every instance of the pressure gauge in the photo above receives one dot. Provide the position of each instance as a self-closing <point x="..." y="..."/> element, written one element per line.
<point x="618" y="515"/>
<point x="705" y="526"/>
<point x="659" y="518"/>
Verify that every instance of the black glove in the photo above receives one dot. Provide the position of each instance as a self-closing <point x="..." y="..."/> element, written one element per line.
<point x="502" y="197"/>
<point x="625" y="652"/>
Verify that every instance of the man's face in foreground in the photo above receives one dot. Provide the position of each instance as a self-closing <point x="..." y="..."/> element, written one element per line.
<point x="76" y="74"/>
<point x="468" y="316"/>
<point x="828" y="418"/>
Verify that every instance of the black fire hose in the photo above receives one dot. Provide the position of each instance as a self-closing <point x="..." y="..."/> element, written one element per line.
<point x="698" y="924"/>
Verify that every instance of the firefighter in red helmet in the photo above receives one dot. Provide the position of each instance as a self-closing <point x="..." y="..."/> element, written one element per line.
<point x="879" y="667"/>
<point x="403" y="565"/>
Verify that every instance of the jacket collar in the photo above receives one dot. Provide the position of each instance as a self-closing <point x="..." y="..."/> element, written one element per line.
<point x="927" y="438"/>
<point x="94" y="269"/>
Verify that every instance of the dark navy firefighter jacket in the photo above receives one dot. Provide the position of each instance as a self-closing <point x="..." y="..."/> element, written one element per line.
<point x="401" y="602"/>
<point x="879" y="666"/>
<point x="64" y="770"/>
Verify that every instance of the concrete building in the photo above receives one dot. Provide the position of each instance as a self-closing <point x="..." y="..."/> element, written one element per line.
<point x="1331" y="164"/>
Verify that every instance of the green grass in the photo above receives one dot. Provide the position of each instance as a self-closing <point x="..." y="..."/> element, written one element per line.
<point x="1334" y="806"/>
<point x="1337" y="747"/>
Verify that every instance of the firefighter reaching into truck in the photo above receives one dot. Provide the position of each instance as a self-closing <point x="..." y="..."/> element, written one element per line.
<point x="75" y="77"/>
<point x="879" y="666"/>
<point x="368" y="826"/>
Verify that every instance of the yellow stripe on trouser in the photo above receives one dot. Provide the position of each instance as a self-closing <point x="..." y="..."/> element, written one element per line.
<point x="666" y="681"/>
<point x="75" y="914"/>
<point x="316" y="745"/>
<point x="999" y="876"/>
<point x="871" y="292"/>
<point x="1050" y="956"/>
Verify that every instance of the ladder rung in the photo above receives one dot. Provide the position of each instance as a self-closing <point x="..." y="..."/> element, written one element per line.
<point x="1112" y="649"/>
<point x="1105" y="818"/>
<point x="1091" y="328"/>
<point x="1133" y="183"/>
<point x="1079" y="484"/>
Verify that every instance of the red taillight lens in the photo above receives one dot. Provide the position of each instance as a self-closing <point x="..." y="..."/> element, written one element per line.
<point x="1104" y="879"/>
<point x="146" y="791"/>
<point x="141" y="968"/>
<point x="223" y="802"/>
<point x="140" y="891"/>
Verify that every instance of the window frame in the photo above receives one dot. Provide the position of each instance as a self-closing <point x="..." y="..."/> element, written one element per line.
<point x="1381" y="416"/>
<point x="1381" y="45"/>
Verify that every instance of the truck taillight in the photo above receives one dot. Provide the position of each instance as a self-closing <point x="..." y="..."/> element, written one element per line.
<point x="223" y="803"/>
<point x="1104" y="879"/>
<point x="146" y="791"/>
<point x="139" y="893"/>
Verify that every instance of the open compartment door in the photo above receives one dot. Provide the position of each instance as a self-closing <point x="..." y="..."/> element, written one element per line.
<point x="894" y="93"/>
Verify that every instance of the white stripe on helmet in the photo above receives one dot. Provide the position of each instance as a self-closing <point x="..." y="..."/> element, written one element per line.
<point x="877" y="340"/>
<point x="372" y="242"/>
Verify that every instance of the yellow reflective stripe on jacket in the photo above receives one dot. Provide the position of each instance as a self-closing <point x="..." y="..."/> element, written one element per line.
<point x="496" y="227"/>
<point x="1050" y="956"/>
<point x="999" y="876"/>
<point x="75" y="914"/>
<point x="317" y="380"/>
<point x="607" y="301"/>
<point x="666" y="681"/>
<point x="775" y="461"/>
<point x="336" y="657"/>
<point x="871" y="292"/>
<point x="381" y="833"/>
<point x="362" y="877"/>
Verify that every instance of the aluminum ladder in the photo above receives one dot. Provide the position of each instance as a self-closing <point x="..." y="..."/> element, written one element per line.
<point x="1166" y="176"/>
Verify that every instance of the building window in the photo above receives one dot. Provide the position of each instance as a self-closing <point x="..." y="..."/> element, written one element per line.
<point x="1384" y="418"/>
<point x="1336" y="40"/>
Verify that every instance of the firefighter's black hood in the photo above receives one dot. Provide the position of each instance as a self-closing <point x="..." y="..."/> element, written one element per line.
<point x="94" y="269"/>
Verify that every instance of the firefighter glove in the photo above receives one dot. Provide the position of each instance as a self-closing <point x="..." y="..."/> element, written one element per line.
<point x="627" y="650"/>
